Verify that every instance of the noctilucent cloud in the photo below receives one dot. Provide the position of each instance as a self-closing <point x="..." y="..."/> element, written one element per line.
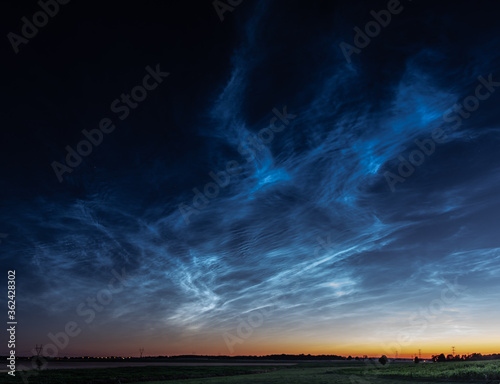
<point x="255" y="178"/>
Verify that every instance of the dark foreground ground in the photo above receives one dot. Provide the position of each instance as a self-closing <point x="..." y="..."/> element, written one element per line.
<point x="105" y="364"/>
<point x="265" y="373"/>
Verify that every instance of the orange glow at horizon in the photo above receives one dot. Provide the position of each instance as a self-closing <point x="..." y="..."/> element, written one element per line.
<point x="273" y="347"/>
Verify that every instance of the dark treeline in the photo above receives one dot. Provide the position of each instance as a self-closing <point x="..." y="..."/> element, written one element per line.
<point x="436" y="358"/>
<point x="204" y="357"/>
<point x="471" y="357"/>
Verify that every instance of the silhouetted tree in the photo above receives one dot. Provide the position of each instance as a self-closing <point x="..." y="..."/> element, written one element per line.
<point x="441" y="358"/>
<point x="416" y="360"/>
<point x="383" y="360"/>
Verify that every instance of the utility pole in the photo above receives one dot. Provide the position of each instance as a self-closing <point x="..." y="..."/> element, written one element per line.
<point x="38" y="349"/>
<point x="141" y="351"/>
<point x="453" y="351"/>
<point x="419" y="353"/>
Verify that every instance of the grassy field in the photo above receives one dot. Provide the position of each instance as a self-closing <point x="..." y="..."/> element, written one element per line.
<point x="132" y="374"/>
<point x="451" y="373"/>
<point x="305" y="373"/>
<point x="466" y="370"/>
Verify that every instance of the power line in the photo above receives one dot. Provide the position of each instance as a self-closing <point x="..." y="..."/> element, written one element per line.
<point x="38" y="349"/>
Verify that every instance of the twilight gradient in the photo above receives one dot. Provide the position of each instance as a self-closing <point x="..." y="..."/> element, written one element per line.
<point x="308" y="237"/>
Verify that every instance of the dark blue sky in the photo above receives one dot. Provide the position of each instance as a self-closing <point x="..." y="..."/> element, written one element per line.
<point x="277" y="163"/>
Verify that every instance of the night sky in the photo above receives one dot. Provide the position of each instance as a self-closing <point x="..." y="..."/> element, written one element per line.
<point x="255" y="178"/>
